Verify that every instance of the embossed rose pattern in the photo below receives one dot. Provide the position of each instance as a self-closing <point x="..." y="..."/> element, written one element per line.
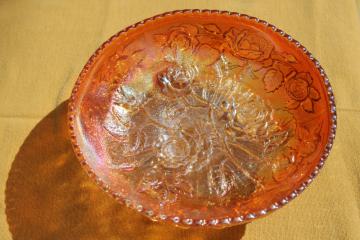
<point x="301" y="92"/>
<point x="202" y="132"/>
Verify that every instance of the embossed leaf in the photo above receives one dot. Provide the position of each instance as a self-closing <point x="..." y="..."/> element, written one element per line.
<point x="191" y="29"/>
<point x="283" y="57"/>
<point x="219" y="180"/>
<point x="285" y="119"/>
<point x="230" y="34"/>
<point x="138" y="56"/>
<point x="286" y="69"/>
<point x="314" y="94"/>
<point x="289" y="58"/>
<point x="213" y="28"/>
<point x="309" y="138"/>
<point x="185" y="28"/>
<point x="267" y="63"/>
<point x="207" y="54"/>
<point x="234" y="38"/>
<point x="316" y="129"/>
<point x="249" y="54"/>
<point x="216" y="42"/>
<point x="273" y="80"/>
<point x="303" y="133"/>
<point x="308" y="105"/>
<point x="293" y="104"/>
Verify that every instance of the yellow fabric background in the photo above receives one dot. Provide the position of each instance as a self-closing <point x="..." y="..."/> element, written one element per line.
<point x="44" y="45"/>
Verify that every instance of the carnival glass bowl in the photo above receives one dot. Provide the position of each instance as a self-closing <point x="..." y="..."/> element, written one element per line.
<point x="202" y="118"/>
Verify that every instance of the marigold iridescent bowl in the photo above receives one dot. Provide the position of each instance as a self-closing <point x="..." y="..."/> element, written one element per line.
<point x="202" y="118"/>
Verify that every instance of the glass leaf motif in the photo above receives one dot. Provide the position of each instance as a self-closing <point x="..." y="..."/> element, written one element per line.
<point x="193" y="135"/>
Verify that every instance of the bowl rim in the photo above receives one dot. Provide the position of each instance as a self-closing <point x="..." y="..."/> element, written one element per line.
<point x="216" y="222"/>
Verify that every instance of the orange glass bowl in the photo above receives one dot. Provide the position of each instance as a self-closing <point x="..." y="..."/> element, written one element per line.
<point x="202" y="118"/>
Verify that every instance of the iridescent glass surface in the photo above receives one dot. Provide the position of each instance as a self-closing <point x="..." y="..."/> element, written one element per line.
<point x="202" y="118"/>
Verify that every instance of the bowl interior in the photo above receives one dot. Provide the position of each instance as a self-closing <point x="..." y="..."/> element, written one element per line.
<point x="201" y="116"/>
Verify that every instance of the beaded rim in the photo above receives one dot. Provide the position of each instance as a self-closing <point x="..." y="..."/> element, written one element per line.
<point x="218" y="222"/>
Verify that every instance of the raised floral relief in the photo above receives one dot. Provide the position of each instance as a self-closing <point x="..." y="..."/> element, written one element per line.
<point x="302" y="93"/>
<point x="209" y="43"/>
<point x="125" y="64"/>
<point x="200" y="131"/>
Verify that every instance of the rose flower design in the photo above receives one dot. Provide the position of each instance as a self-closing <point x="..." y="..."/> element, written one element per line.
<point x="175" y="80"/>
<point x="180" y="37"/>
<point x="247" y="45"/>
<point x="123" y="64"/>
<point x="301" y="92"/>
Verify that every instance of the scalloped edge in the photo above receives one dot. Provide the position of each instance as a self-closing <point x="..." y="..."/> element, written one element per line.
<point x="217" y="222"/>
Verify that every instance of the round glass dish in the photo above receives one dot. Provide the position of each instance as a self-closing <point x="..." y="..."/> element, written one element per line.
<point x="202" y="118"/>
